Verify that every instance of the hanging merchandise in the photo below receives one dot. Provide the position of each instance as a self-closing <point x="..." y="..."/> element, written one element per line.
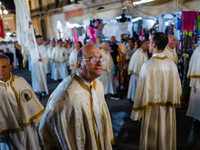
<point x="75" y="36"/>
<point x="188" y="20"/>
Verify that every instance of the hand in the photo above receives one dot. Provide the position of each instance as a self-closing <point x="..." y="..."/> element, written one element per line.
<point x="111" y="51"/>
<point x="1" y="124"/>
<point x="39" y="59"/>
<point x="30" y="23"/>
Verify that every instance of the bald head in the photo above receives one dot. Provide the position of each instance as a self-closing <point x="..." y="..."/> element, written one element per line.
<point x="106" y="46"/>
<point x="172" y="40"/>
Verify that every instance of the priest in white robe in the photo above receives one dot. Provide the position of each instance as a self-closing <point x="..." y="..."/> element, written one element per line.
<point x="107" y="76"/>
<point x="38" y="75"/>
<point x="194" y="75"/>
<point x="59" y="62"/>
<point x="158" y="94"/>
<point x="48" y="69"/>
<point x="170" y="49"/>
<point x="73" y="57"/>
<point x="76" y="116"/>
<point x="20" y="112"/>
<point x="135" y="64"/>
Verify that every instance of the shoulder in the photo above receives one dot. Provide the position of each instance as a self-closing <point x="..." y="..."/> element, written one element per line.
<point x="19" y="79"/>
<point x="99" y="84"/>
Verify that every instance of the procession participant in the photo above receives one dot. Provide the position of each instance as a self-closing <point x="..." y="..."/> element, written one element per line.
<point x="73" y="57"/>
<point x="76" y="115"/>
<point x="49" y="68"/>
<point x="20" y="110"/>
<point x="38" y="76"/>
<point x="170" y="49"/>
<point x="107" y="77"/>
<point x="158" y="94"/>
<point x="194" y="75"/>
<point x="59" y="62"/>
<point x="135" y="64"/>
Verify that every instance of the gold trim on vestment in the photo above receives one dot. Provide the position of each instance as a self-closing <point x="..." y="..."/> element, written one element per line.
<point x="22" y="95"/>
<point x="2" y="84"/>
<point x="112" y="141"/>
<point x="10" y="131"/>
<point x="34" y="117"/>
<point x="175" y="58"/>
<point x="133" y="73"/>
<point x="104" y="70"/>
<point x="73" y="65"/>
<point x="193" y="76"/>
<point x="156" y="104"/>
<point x="59" y="61"/>
<point x="18" y="102"/>
<point x="161" y="58"/>
<point x="88" y="88"/>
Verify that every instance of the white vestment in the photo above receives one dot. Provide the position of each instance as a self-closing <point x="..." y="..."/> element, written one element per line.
<point x="77" y="117"/>
<point x="20" y="113"/>
<point x="38" y="75"/>
<point x="194" y="75"/>
<point x="135" y="64"/>
<point x="171" y="54"/>
<point x="73" y="61"/>
<point x="157" y="95"/>
<point x="48" y="69"/>
<point x="107" y="76"/>
<point x="59" y="62"/>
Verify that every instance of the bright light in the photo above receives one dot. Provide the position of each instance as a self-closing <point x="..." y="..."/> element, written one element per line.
<point x="142" y="2"/>
<point x="0" y="3"/>
<point x="136" y="19"/>
<point x="166" y="23"/>
<point x="8" y="33"/>
<point x="118" y="17"/>
<point x="5" y="12"/>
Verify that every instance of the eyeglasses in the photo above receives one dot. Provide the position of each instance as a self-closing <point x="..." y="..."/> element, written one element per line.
<point x="95" y="60"/>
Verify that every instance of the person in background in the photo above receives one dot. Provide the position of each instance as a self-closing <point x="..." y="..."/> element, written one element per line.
<point x="137" y="44"/>
<point x="18" y="54"/>
<point x="99" y="42"/>
<point x="20" y="112"/>
<point x="135" y="64"/>
<point x="114" y="51"/>
<point x="158" y="94"/>
<point x="73" y="57"/>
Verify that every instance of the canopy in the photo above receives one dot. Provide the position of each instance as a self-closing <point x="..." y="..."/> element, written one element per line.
<point x="150" y="9"/>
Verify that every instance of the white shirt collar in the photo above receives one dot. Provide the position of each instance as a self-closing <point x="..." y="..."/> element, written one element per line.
<point x="158" y="54"/>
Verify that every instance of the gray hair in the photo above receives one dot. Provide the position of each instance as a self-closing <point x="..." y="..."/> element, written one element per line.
<point x="79" y="55"/>
<point x="2" y="56"/>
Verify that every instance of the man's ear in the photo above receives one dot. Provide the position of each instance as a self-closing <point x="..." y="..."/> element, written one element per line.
<point x="79" y="64"/>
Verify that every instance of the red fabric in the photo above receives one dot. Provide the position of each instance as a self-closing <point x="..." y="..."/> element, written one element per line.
<point x="75" y="36"/>
<point x="1" y="29"/>
<point x="92" y="34"/>
<point x="188" y="20"/>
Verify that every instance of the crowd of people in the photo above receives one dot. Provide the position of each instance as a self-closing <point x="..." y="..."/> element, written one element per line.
<point x="76" y="115"/>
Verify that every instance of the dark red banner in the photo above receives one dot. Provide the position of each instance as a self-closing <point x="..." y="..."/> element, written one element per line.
<point x="1" y="29"/>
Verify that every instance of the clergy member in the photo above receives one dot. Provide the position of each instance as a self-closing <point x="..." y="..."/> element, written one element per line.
<point x="170" y="49"/>
<point x="158" y="94"/>
<point x="76" y="115"/>
<point x="135" y="64"/>
<point x="194" y="75"/>
<point x="20" y="112"/>
<point x="73" y="57"/>
<point x="48" y="69"/>
<point x="59" y="58"/>
<point x="38" y="75"/>
<point x="107" y="76"/>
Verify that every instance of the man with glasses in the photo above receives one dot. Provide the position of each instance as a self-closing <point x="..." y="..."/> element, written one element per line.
<point x="76" y="115"/>
<point x="107" y="77"/>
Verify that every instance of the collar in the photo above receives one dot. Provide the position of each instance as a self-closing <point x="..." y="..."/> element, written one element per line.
<point x="87" y="86"/>
<point x="10" y="81"/>
<point x="141" y="50"/>
<point x="172" y="50"/>
<point x="161" y="56"/>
